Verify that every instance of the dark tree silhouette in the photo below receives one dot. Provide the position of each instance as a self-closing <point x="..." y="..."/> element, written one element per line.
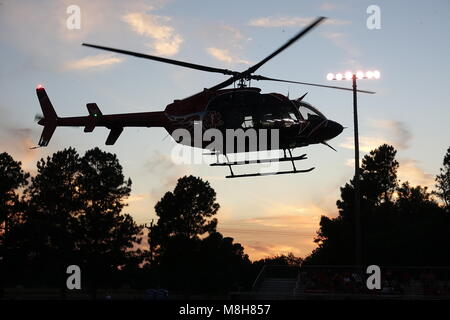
<point x="225" y="262"/>
<point x="186" y="212"/>
<point x="406" y="229"/>
<point x="12" y="177"/>
<point x="54" y="206"/>
<point x="443" y="182"/>
<point x="280" y="260"/>
<point x="378" y="181"/>
<point x="105" y="236"/>
<point x="75" y="217"/>
<point x="187" y="260"/>
<point x="212" y="264"/>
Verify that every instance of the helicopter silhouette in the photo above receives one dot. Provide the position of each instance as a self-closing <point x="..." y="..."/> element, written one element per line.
<point x="296" y="122"/>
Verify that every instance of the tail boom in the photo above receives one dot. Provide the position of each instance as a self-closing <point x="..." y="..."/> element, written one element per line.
<point x="114" y="122"/>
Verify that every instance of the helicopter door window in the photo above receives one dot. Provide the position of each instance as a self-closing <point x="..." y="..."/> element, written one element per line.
<point x="307" y="111"/>
<point x="293" y="116"/>
<point x="267" y="120"/>
<point x="248" y="122"/>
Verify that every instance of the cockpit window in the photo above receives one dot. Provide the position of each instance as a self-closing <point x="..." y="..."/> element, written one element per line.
<point x="293" y="116"/>
<point x="307" y="110"/>
<point x="248" y="122"/>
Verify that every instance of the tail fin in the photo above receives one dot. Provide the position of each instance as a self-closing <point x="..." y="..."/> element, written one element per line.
<point x="50" y="117"/>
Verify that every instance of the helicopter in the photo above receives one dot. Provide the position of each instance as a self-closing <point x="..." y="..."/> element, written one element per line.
<point x="242" y="108"/>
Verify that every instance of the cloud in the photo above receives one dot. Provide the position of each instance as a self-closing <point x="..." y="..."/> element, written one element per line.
<point x="366" y="144"/>
<point x="273" y="22"/>
<point x="350" y="163"/>
<point x="287" y="228"/>
<point x="224" y="55"/>
<point x="409" y="170"/>
<point x="342" y="40"/>
<point x="95" y="61"/>
<point x="258" y="250"/>
<point x="397" y="130"/>
<point x="166" y="171"/>
<point x="166" y="41"/>
<point x="327" y="6"/>
<point x="392" y="132"/>
<point x="235" y="33"/>
<point x="137" y="197"/>
<point x="17" y="141"/>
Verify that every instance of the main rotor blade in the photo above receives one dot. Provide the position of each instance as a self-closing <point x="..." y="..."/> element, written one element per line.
<point x="165" y="60"/>
<point x="257" y="77"/>
<point x="286" y="45"/>
<point x="224" y="84"/>
<point x="249" y="71"/>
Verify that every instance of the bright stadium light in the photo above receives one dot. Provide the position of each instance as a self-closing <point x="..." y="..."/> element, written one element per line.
<point x="359" y="75"/>
<point x="376" y="74"/>
<point x="348" y="75"/>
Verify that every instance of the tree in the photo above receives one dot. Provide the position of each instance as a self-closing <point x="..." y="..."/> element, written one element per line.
<point x="406" y="229"/>
<point x="336" y="237"/>
<point x="378" y="181"/>
<point x="414" y="200"/>
<point x="105" y="235"/>
<point x="186" y="212"/>
<point x="224" y="262"/>
<point x="212" y="264"/>
<point x="12" y="177"/>
<point x="443" y="182"/>
<point x="191" y="254"/>
<point x="280" y="260"/>
<point x="54" y="206"/>
<point x="76" y="217"/>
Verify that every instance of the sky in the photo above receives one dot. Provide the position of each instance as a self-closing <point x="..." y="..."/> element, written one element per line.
<point x="267" y="215"/>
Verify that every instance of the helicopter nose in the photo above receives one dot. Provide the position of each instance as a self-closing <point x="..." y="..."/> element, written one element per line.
<point x="333" y="129"/>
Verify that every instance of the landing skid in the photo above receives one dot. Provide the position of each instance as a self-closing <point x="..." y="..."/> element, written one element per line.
<point x="237" y="163"/>
<point x="290" y="158"/>
<point x="268" y="173"/>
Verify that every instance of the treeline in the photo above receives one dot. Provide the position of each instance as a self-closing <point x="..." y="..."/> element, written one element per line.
<point x="401" y="224"/>
<point x="72" y="213"/>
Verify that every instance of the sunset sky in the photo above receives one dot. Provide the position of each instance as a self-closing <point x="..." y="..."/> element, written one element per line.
<point x="268" y="215"/>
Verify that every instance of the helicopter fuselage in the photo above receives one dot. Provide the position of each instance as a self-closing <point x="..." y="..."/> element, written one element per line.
<point x="250" y="115"/>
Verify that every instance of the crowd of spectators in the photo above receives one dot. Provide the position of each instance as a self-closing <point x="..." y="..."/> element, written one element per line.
<point x="395" y="281"/>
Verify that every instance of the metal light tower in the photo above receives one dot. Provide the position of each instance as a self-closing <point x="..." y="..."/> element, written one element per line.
<point x="353" y="77"/>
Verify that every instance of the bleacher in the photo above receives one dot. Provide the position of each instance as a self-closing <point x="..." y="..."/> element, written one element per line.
<point x="343" y="282"/>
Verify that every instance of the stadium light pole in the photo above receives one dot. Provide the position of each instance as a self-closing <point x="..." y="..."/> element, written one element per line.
<point x="353" y="77"/>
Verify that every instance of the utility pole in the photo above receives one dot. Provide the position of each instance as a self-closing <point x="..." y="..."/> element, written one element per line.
<point x="358" y="245"/>
<point x="357" y="201"/>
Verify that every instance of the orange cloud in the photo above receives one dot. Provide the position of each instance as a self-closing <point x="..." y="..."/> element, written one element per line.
<point x="96" y="61"/>
<point x="287" y="229"/>
<point x="166" y="40"/>
<point x="224" y="55"/>
<point x="409" y="170"/>
<point x="271" y="22"/>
